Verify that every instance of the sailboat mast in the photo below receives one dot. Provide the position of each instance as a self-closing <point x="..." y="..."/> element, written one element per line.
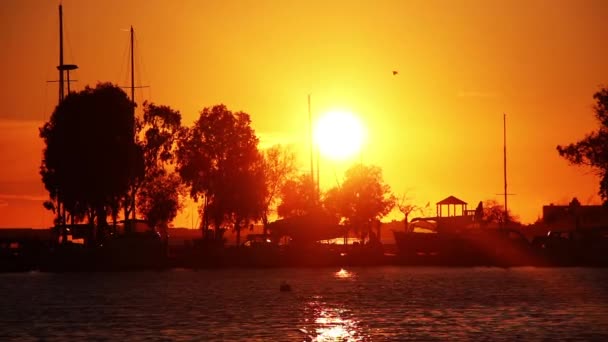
<point x="60" y="67"/>
<point x="133" y="100"/>
<point x="312" y="170"/>
<point x="132" y="71"/>
<point x="504" y="120"/>
<point x="318" y="175"/>
<point x="60" y="217"/>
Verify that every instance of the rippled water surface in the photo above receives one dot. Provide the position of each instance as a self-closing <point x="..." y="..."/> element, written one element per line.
<point x="358" y="304"/>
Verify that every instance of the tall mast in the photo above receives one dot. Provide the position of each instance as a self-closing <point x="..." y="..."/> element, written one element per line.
<point x="504" y="133"/>
<point x="60" y="67"/>
<point x="133" y="100"/>
<point x="318" y="175"/>
<point x="312" y="170"/>
<point x="60" y="217"/>
<point x="132" y="87"/>
<point x="132" y="72"/>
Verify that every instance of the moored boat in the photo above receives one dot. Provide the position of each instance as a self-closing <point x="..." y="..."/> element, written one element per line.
<point x="457" y="236"/>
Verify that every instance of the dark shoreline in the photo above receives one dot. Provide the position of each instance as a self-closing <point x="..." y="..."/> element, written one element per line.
<point x="242" y="258"/>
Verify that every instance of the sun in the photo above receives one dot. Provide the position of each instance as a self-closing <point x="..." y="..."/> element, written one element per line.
<point x="339" y="135"/>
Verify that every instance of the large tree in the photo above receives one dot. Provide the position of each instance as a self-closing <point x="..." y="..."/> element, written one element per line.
<point x="362" y="199"/>
<point x="592" y="151"/>
<point x="159" y="200"/>
<point x="219" y="159"/>
<point x="90" y="154"/>
<point x="298" y="197"/>
<point x="159" y="191"/>
<point x="279" y="167"/>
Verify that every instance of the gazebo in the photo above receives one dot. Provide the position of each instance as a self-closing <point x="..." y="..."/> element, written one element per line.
<point x="459" y="207"/>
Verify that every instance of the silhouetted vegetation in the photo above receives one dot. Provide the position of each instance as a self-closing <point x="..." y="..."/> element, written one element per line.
<point x="592" y="150"/>
<point x="406" y="207"/>
<point x="90" y="156"/>
<point x="362" y="199"/>
<point x="218" y="158"/>
<point x="98" y="159"/>
<point x="494" y="213"/>
<point x="279" y="167"/>
<point x="159" y="191"/>
<point x="298" y="197"/>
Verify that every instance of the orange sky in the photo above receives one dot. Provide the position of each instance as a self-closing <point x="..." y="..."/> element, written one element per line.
<point x="435" y="129"/>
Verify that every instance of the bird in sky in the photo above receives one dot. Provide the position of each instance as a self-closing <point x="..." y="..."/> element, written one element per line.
<point x="395" y="72"/>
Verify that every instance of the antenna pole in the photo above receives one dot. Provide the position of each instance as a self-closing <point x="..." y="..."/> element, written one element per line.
<point x="504" y="119"/>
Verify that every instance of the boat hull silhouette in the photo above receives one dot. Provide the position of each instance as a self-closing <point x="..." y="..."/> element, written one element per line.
<point x="487" y="247"/>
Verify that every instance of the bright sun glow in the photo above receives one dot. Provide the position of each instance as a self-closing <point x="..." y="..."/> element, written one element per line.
<point x="339" y="135"/>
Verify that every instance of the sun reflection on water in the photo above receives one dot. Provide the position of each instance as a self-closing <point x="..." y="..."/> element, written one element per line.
<point x="342" y="273"/>
<point x="332" y="323"/>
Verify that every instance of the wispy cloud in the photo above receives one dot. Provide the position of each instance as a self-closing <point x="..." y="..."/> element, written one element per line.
<point x="15" y="124"/>
<point x="270" y="139"/>
<point x="6" y="197"/>
<point x="476" y="93"/>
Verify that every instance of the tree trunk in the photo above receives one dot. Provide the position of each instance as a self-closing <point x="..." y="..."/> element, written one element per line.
<point x="134" y="191"/>
<point x="237" y="227"/>
<point x="126" y="209"/>
<point x="265" y="223"/>
<point x="64" y="232"/>
<point x="100" y="212"/>
<point x="205" y="221"/>
<point x="114" y="219"/>
<point x="164" y="230"/>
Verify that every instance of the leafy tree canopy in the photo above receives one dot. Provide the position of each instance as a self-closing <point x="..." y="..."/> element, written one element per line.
<point x="279" y="167"/>
<point x="592" y="150"/>
<point x="160" y="127"/>
<point x="159" y="192"/>
<point x="159" y="201"/>
<point x="90" y="154"/>
<point x="494" y="213"/>
<point x="363" y="197"/>
<point x="298" y="197"/>
<point x="218" y="158"/>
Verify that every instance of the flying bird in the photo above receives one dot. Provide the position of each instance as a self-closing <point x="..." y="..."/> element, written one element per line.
<point x="395" y="72"/>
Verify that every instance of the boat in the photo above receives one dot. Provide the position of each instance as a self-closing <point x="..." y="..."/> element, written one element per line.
<point x="307" y="229"/>
<point x="458" y="236"/>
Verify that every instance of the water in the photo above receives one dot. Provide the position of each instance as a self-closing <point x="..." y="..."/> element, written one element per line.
<point x="357" y="304"/>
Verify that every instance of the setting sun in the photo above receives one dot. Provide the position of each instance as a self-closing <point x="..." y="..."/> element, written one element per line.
<point x="339" y="135"/>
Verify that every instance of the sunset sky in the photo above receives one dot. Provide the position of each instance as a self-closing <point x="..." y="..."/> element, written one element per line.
<point x="435" y="128"/>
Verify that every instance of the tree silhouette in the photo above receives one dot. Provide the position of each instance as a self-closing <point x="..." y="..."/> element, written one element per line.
<point x="406" y="207"/>
<point x="334" y="202"/>
<point x="363" y="199"/>
<point x="298" y="197"/>
<point x="90" y="152"/>
<point x="218" y="158"/>
<point x="592" y="150"/>
<point x="159" y="191"/>
<point x="279" y="167"/>
<point x="494" y="213"/>
<point x="159" y="200"/>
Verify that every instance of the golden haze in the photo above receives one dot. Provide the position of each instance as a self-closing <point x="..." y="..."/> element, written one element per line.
<point x="435" y="128"/>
